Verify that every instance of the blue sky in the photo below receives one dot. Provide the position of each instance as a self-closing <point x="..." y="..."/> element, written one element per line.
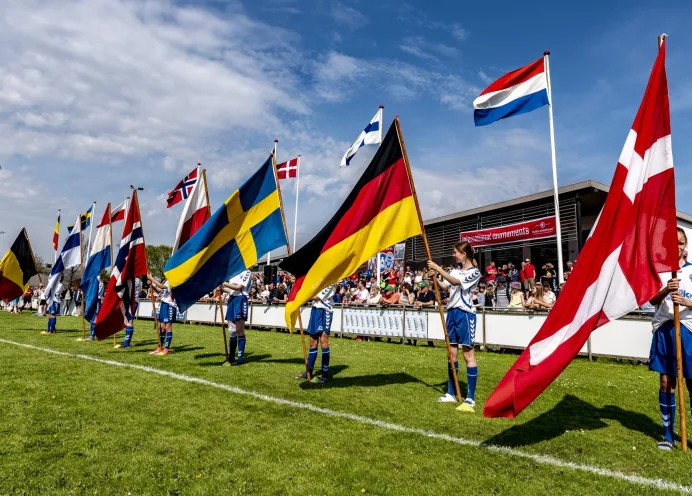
<point x="100" y="94"/>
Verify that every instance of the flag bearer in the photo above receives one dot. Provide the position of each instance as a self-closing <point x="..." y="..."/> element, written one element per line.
<point x="54" y="308"/>
<point x="99" y="301"/>
<point x="662" y="358"/>
<point x="129" y="318"/>
<point x="167" y="314"/>
<point x="238" y="288"/>
<point x="319" y="328"/>
<point x="461" y="320"/>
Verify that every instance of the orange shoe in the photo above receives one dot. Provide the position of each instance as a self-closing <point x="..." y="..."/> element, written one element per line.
<point x="164" y="352"/>
<point x="157" y="351"/>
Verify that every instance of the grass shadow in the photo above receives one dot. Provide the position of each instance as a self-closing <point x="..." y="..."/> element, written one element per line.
<point x="374" y="380"/>
<point x="572" y="413"/>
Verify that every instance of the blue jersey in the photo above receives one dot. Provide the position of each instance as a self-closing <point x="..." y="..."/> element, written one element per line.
<point x="461" y="296"/>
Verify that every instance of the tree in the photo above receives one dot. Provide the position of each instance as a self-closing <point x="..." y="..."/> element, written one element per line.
<point x="158" y="255"/>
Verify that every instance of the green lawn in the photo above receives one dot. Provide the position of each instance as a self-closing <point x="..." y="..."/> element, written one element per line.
<point x="73" y="426"/>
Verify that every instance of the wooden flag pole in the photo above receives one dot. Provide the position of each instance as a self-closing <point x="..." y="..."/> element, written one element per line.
<point x="288" y="250"/>
<point x="427" y="251"/>
<point x="110" y="232"/>
<point x="220" y="305"/>
<point x="81" y="265"/>
<point x="678" y="348"/>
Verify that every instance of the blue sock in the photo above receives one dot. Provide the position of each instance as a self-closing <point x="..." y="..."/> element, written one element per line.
<point x="312" y="358"/>
<point x="471" y="377"/>
<point x="667" y="403"/>
<point x="325" y="363"/>
<point x="128" y="336"/>
<point x="241" y="347"/>
<point x="162" y="338"/>
<point x="169" y="338"/>
<point x="53" y="322"/>
<point x="50" y="324"/>
<point x="232" y="345"/>
<point x="92" y="329"/>
<point x="451" y="387"/>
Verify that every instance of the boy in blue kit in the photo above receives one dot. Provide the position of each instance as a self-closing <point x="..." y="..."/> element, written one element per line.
<point x="319" y="328"/>
<point x="236" y="314"/>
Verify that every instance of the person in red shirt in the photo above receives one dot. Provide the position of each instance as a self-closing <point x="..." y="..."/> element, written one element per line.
<point x="491" y="272"/>
<point x="529" y="275"/>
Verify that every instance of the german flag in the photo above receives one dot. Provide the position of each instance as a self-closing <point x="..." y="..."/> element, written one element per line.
<point x="56" y="233"/>
<point x="379" y="212"/>
<point x="16" y="268"/>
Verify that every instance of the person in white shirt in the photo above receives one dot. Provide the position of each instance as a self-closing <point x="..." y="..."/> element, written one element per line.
<point x="461" y="320"/>
<point x="663" y="356"/>
<point x="362" y="294"/>
<point x="168" y="312"/>
<point x="319" y="327"/>
<point x="238" y="288"/>
<point x="53" y="307"/>
<point x="548" y="294"/>
<point x="375" y="297"/>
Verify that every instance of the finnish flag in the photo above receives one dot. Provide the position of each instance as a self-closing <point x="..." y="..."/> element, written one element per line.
<point x="371" y="135"/>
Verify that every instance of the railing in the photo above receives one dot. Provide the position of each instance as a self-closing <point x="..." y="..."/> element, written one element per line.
<point x="628" y="337"/>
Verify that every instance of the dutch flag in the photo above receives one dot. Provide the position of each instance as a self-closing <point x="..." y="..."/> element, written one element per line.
<point x="515" y="93"/>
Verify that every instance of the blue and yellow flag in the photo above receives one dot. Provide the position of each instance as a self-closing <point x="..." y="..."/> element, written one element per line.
<point x="248" y="225"/>
<point x="84" y="220"/>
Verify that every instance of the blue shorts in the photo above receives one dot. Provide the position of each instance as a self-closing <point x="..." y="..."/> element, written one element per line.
<point x="54" y="308"/>
<point x="167" y="313"/>
<point x="461" y="327"/>
<point x="237" y="309"/>
<point x="662" y="358"/>
<point x="320" y="322"/>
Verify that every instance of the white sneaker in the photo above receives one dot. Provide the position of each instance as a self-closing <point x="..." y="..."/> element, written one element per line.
<point x="447" y="398"/>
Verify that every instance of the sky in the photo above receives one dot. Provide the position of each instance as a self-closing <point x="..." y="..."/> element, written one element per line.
<point x="96" y="95"/>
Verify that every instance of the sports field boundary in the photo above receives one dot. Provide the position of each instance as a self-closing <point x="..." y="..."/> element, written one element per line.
<point x="536" y="458"/>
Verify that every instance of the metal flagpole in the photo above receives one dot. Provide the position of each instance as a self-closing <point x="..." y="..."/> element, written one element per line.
<point x="276" y="142"/>
<point x="378" y="268"/>
<point x="560" y="268"/>
<point x="91" y="227"/>
<point x="295" y="222"/>
<point x="288" y="250"/>
<point x="427" y="251"/>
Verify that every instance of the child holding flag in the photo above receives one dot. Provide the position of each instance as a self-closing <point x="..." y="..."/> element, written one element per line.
<point x="99" y="301"/>
<point x="461" y="320"/>
<point x="54" y="308"/>
<point x="238" y="288"/>
<point x="167" y="314"/>
<point x="319" y="328"/>
<point x="662" y="358"/>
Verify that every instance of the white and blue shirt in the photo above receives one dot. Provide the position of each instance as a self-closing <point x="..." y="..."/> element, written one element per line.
<point x="325" y="299"/>
<point x="243" y="279"/>
<point x="102" y="290"/>
<point x="166" y="296"/>
<point x="462" y="296"/>
<point x="138" y="288"/>
<point x="664" y="311"/>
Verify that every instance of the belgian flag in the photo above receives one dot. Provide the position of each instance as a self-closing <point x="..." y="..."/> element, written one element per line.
<point x="16" y="268"/>
<point x="380" y="212"/>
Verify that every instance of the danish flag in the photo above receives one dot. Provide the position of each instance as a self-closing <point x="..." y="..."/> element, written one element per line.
<point x="634" y="239"/>
<point x="288" y="169"/>
<point x="183" y="189"/>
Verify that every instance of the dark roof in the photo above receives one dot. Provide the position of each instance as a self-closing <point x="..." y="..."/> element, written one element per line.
<point x="570" y="188"/>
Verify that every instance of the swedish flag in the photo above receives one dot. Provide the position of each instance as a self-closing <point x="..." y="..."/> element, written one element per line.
<point x="248" y="225"/>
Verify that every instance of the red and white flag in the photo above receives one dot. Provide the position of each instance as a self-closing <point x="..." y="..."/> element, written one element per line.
<point x="117" y="213"/>
<point x="184" y="188"/>
<point x="635" y="239"/>
<point x="195" y="213"/>
<point x="288" y="169"/>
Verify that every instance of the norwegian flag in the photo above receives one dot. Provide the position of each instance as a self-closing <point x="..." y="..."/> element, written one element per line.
<point x="131" y="262"/>
<point x="195" y="213"/>
<point x="288" y="169"/>
<point x="633" y="241"/>
<point x="183" y="189"/>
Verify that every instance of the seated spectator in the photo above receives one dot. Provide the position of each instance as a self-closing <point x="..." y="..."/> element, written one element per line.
<point x="516" y="299"/>
<point x="375" y="297"/>
<point x="501" y="294"/>
<point x="361" y="295"/>
<point x="406" y="296"/>
<point x="481" y="294"/>
<point x="425" y="297"/>
<point x="490" y="298"/>
<point x="537" y="300"/>
<point x="548" y="294"/>
<point x="391" y="297"/>
<point x="475" y="299"/>
<point x="408" y="276"/>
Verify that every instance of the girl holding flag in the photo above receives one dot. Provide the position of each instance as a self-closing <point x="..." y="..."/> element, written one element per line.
<point x="461" y="320"/>
<point x="662" y="358"/>
<point x="236" y="314"/>
<point x="167" y="315"/>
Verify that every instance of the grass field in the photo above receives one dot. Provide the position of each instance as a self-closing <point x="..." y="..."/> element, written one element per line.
<point x="78" y="426"/>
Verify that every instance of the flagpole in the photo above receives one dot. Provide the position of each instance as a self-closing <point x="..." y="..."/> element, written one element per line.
<point x="295" y="221"/>
<point x="81" y="266"/>
<point x="427" y="251"/>
<point x="110" y="232"/>
<point x="57" y="244"/>
<point x="223" y="318"/>
<point x="276" y="144"/>
<point x="91" y="227"/>
<point x="377" y="262"/>
<point x="560" y="268"/>
<point x="678" y="347"/>
<point x="26" y="234"/>
<point x="288" y="250"/>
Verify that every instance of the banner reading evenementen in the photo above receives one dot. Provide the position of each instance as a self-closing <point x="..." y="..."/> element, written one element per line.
<point x="532" y="229"/>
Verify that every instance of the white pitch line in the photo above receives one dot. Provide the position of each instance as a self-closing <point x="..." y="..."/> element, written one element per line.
<point x="542" y="459"/>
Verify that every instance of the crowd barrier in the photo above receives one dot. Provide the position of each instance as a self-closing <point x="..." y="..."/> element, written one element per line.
<point x="628" y="337"/>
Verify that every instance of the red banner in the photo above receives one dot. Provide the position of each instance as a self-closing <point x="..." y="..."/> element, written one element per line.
<point x="532" y="229"/>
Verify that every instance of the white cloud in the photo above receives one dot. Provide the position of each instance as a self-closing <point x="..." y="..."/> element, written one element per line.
<point x="484" y="77"/>
<point x="347" y="16"/>
<point x="419" y="47"/>
<point x="459" y="32"/>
